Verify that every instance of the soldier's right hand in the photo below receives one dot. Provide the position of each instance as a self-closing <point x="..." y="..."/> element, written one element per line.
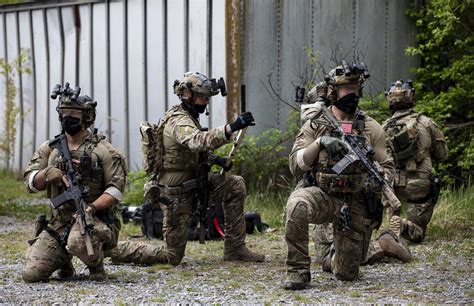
<point x="53" y="174"/>
<point x="334" y="145"/>
<point x="243" y="121"/>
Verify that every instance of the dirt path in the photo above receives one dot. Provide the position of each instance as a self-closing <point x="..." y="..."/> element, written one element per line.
<point x="441" y="273"/>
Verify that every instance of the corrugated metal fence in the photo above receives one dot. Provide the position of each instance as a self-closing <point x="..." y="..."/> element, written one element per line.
<point x="126" y="55"/>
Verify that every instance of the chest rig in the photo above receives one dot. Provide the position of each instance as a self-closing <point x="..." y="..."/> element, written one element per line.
<point x="352" y="179"/>
<point x="90" y="174"/>
<point x="175" y="156"/>
<point x="402" y="137"/>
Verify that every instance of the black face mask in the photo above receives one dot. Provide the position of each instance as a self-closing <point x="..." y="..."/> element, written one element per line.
<point x="348" y="103"/>
<point x="200" y="108"/>
<point x="71" y="125"/>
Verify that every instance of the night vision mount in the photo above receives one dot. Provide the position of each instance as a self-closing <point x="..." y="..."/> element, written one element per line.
<point x="218" y="86"/>
<point x="65" y="93"/>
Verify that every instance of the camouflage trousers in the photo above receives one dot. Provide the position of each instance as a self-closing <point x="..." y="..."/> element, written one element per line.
<point x="46" y="255"/>
<point x="323" y="237"/>
<point x="228" y="190"/>
<point x="418" y="215"/>
<point x="312" y="205"/>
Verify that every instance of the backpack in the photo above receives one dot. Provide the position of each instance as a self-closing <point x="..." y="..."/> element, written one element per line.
<point x="152" y="142"/>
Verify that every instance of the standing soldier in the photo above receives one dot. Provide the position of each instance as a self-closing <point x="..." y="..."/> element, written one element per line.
<point x="83" y="223"/>
<point x="414" y="141"/>
<point x="349" y="200"/>
<point x="186" y="147"/>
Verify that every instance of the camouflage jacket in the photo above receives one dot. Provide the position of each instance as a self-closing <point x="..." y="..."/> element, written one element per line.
<point x="317" y="127"/>
<point x="107" y="173"/>
<point x="183" y="141"/>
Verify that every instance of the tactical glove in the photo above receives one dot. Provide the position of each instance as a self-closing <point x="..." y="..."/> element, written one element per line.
<point x="334" y="145"/>
<point x="53" y="174"/>
<point x="243" y="121"/>
<point x="222" y="161"/>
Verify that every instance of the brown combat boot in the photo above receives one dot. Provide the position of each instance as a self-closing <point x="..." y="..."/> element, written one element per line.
<point x="393" y="247"/>
<point x="67" y="270"/>
<point x="243" y="254"/>
<point x="297" y="280"/>
<point x="97" y="273"/>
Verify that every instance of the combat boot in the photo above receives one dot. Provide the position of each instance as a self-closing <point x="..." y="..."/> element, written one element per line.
<point x="326" y="262"/>
<point x="243" y="254"/>
<point x="393" y="246"/>
<point x="297" y="281"/>
<point x="397" y="225"/>
<point x="97" y="273"/>
<point x="67" y="270"/>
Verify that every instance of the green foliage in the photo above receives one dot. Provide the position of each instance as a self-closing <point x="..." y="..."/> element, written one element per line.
<point x="11" y="113"/>
<point x="376" y="107"/>
<point x="444" y="81"/>
<point x="263" y="159"/>
<point x="134" y="188"/>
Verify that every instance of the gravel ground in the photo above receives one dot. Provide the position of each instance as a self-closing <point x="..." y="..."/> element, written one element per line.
<point x="441" y="273"/>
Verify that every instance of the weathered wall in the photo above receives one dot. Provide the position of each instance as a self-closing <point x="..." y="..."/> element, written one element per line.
<point x="375" y="31"/>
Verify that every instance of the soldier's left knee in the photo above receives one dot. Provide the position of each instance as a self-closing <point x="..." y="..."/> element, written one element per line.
<point x="237" y="185"/>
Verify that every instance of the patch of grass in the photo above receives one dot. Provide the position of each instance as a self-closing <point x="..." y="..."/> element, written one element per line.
<point x="454" y="213"/>
<point x="13" y="187"/>
<point x="355" y="294"/>
<point x="269" y="205"/>
<point x="158" y="299"/>
<point x="13" y="249"/>
<point x="23" y="211"/>
<point x="301" y="298"/>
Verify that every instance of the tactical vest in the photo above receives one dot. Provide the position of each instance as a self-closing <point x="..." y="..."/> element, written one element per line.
<point x="402" y="138"/>
<point x="175" y="156"/>
<point x="91" y="177"/>
<point x="352" y="179"/>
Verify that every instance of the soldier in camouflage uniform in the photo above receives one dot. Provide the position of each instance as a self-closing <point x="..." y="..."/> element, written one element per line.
<point x="105" y="175"/>
<point x="386" y="244"/>
<point x="185" y="145"/>
<point x="322" y="198"/>
<point x="414" y="141"/>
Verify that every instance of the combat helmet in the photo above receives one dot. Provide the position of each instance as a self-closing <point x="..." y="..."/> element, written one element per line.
<point x="401" y="95"/>
<point x="197" y="83"/>
<point x="346" y="74"/>
<point x="71" y="99"/>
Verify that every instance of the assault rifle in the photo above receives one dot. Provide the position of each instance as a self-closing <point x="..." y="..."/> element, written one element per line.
<point x="358" y="152"/>
<point x="73" y="192"/>
<point x="201" y="185"/>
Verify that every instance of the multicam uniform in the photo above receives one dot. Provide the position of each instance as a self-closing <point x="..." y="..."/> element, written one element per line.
<point x="322" y="203"/>
<point x="184" y="142"/>
<point x="414" y="140"/>
<point x="54" y="247"/>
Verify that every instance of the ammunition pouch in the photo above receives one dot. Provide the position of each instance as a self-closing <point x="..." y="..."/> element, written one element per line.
<point x="343" y="183"/>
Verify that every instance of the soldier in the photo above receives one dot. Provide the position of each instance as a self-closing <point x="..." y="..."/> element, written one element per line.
<point x="346" y="199"/>
<point x="185" y="146"/>
<point x="101" y="169"/>
<point x="414" y="141"/>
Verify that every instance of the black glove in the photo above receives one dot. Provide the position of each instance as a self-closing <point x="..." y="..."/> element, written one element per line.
<point x="243" y="121"/>
<point x="334" y="145"/>
<point x="222" y="161"/>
